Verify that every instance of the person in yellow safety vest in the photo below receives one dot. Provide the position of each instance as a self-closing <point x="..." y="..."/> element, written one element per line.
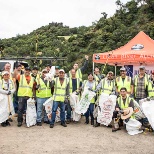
<point x="35" y="74"/>
<point x="7" y="88"/>
<point x="97" y="75"/>
<point x="106" y="85"/>
<point x="79" y="71"/>
<point x="61" y="91"/>
<point x="123" y="102"/>
<point x="25" y="91"/>
<point x="43" y="92"/>
<point x="124" y="81"/>
<point x="150" y="86"/>
<point x="75" y="84"/>
<point x="91" y="84"/>
<point x="140" y="84"/>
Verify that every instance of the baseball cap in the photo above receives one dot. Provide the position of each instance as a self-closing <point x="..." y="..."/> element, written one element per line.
<point x="44" y="70"/>
<point x="5" y="72"/>
<point x="110" y="72"/>
<point x="122" y="69"/>
<point x="62" y="70"/>
<point x="35" y="68"/>
<point x="57" y="67"/>
<point x="142" y="67"/>
<point x="27" y="69"/>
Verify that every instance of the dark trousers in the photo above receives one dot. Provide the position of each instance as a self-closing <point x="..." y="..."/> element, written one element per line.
<point x="90" y="112"/>
<point x="15" y="102"/>
<point x="22" y="105"/>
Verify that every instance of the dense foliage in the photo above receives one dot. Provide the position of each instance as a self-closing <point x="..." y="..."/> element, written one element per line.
<point x="104" y="35"/>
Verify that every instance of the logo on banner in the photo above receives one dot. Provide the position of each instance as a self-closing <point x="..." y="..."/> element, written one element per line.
<point x="97" y="57"/>
<point x="137" y="47"/>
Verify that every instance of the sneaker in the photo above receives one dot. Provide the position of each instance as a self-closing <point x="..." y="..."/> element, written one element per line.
<point x="7" y="123"/>
<point x="51" y="125"/>
<point x="68" y="121"/>
<point x="92" y="122"/>
<point x="39" y="124"/>
<point x="97" y="124"/>
<point x="63" y="124"/>
<point x="3" y="124"/>
<point x="47" y="122"/>
<point x="19" y="124"/>
<point x="87" y="122"/>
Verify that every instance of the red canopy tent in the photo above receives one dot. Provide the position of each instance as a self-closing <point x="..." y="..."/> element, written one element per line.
<point x="139" y="50"/>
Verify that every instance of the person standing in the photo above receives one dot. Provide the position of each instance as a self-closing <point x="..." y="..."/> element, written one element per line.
<point x="43" y="92"/>
<point x="107" y="86"/>
<point x="7" y="88"/>
<point x="150" y="86"/>
<point x="79" y="71"/>
<point x="124" y="81"/>
<point x="91" y="85"/>
<point x="140" y="83"/>
<point x="61" y="91"/>
<point x="75" y="84"/>
<point x="25" y="91"/>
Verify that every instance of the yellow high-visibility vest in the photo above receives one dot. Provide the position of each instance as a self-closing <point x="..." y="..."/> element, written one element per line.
<point x="126" y="83"/>
<point x="106" y="88"/>
<point x="60" y="90"/>
<point x="146" y="79"/>
<point x="44" y="91"/>
<point x="78" y="74"/>
<point x="24" y="88"/>
<point x="126" y="105"/>
<point x="70" y="84"/>
<point x="150" y="89"/>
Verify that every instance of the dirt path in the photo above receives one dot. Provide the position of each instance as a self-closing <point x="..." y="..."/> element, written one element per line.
<point x="74" y="139"/>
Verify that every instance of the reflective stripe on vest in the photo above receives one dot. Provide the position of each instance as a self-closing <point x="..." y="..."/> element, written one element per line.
<point x="126" y="83"/>
<point x="24" y="88"/>
<point x="122" y="106"/>
<point x="106" y="88"/>
<point x="44" y="91"/>
<point x="150" y="89"/>
<point x="70" y="84"/>
<point x="77" y="75"/>
<point x="93" y="88"/>
<point x="136" y="81"/>
<point x="10" y="84"/>
<point x="60" y="90"/>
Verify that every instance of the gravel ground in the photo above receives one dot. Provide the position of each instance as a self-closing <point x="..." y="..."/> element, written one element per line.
<point x="74" y="139"/>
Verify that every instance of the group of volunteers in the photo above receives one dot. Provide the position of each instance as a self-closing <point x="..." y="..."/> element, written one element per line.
<point x="17" y="87"/>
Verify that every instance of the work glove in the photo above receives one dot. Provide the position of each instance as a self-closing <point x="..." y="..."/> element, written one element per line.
<point x="9" y="93"/>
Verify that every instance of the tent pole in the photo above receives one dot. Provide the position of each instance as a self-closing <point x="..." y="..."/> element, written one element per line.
<point x="93" y="68"/>
<point x="115" y="70"/>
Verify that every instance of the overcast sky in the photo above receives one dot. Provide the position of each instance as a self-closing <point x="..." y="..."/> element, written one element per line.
<point x="24" y="16"/>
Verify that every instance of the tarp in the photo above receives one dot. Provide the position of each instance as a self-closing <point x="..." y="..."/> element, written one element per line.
<point x="139" y="50"/>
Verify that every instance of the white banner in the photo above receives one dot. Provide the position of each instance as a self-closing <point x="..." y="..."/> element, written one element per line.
<point x="83" y="104"/>
<point x="106" y="108"/>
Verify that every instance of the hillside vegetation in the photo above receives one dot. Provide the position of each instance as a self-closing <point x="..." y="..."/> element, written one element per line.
<point x="107" y="34"/>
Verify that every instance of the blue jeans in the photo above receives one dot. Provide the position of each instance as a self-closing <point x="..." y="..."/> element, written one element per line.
<point x="62" y="111"/>
<point x="68" y="109"/>
<point x="40" y="102"/>
<point x="90" y="111"/>
<point x="15" y="102"/>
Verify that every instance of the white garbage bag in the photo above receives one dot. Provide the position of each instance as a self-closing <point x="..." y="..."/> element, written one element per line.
<point x="106" y="108"/>
<point x="132" y="127"/>
<point x="31" y="113"/>
<point x="48" y="108"/>
<point x="74" y="100"/>
<point x="83" y="104"/>
<point x="138" y="113"/>
<point x="148" y="109"/>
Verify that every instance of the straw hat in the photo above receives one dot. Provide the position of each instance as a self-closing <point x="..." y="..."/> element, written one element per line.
<point x="127" y="113"/>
